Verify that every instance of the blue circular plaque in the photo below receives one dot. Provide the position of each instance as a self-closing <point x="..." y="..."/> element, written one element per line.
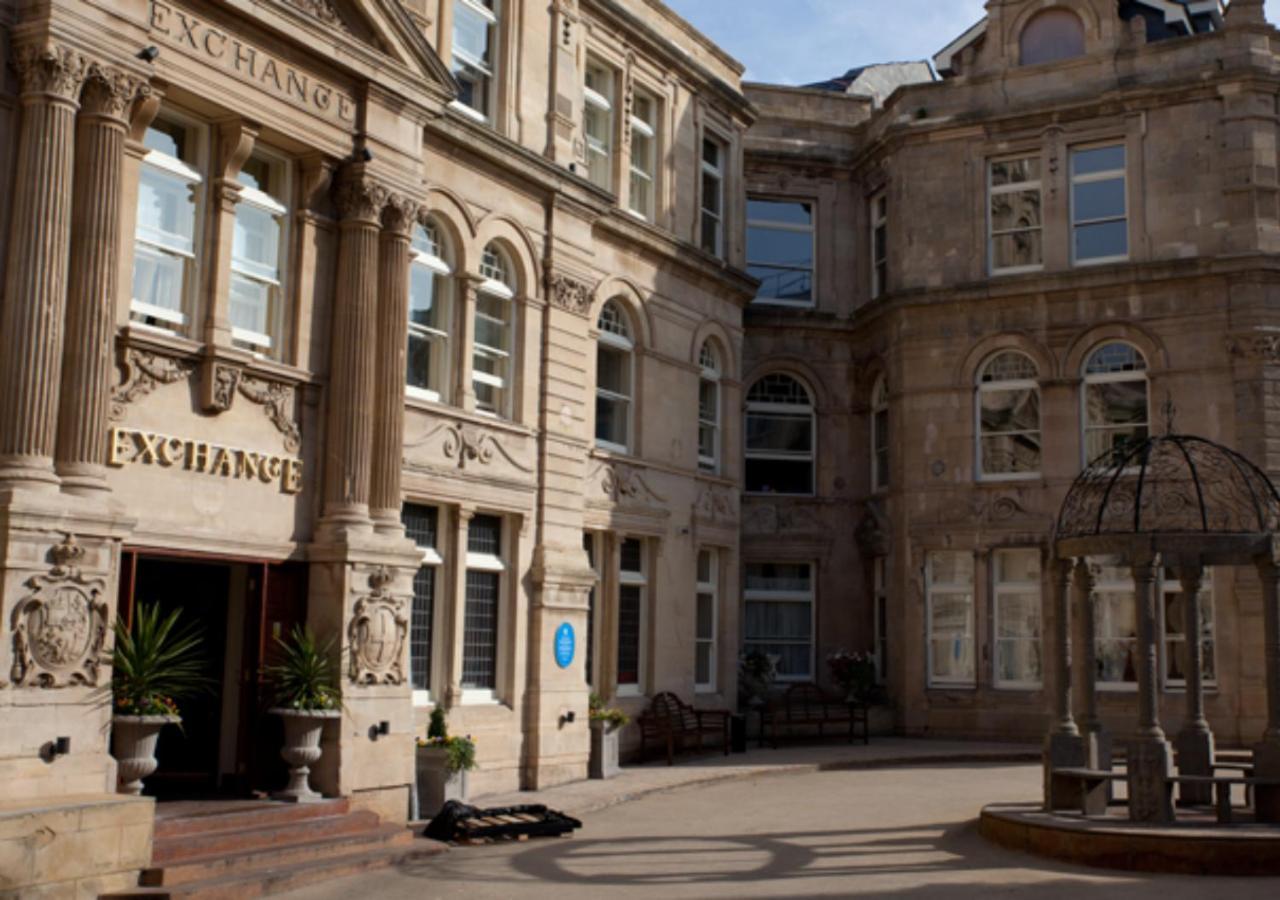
<point x="564" y="646"/>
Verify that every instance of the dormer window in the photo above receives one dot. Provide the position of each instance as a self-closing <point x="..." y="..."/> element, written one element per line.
<point x="1052" y="36"/>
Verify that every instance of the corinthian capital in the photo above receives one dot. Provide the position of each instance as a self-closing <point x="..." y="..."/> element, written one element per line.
<point x="359" y="198"/>
<point x="400" y="214"/>
<point x="55" y="70"/>
<point x="110" y="91"/>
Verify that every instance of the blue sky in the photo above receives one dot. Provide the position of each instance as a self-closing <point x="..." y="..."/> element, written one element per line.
<point x="801" y="41"/>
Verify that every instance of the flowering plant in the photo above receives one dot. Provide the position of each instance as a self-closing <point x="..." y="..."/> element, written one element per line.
<point x="609" y="715"/>
<point x="854" y="672"/>
<point x="155" y="662"/>
<point x="153" y="705"/>
<point x="460" y="752"/>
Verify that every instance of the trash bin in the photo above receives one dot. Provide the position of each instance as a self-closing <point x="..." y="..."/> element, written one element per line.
<point x="738" y="734"/>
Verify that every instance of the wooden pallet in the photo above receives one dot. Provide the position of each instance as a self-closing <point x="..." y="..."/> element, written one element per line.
<point x="470" y="826"/>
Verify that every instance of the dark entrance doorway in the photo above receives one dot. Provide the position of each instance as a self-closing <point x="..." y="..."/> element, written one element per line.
<point x="227" y="746"/>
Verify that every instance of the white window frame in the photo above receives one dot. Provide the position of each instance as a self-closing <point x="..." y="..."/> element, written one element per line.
<point x="992" y="387"/>
<point x="430" y="558"/>
<point x="603" y="104"/>
<point x="261" y="343"/>
<point x="718" y="173"/>
<point x="487" y="562"/>
<point x="1015" y="188"/>
<point x="494" y="286"/>
<point x="998" y="590"/>
<point x="789" y="409"/>
<point x="710" y="374"/>
<point x="1107" y="175"/>
<point x="1090" y="378"/>
<point x="438" y="266"/>
<point x="488" y="70"/>
<point x="649" y="131"/>
<point x="712" y="589"/>
<point x="934" y="590"/>
<point x="878" y="212"/>
<point x="638" y="580"/>
<point x="811" y="229"/>
<point x="880" y="481"/>
<point x="808" y="597"/>
<point x="628" y="346"/>
<point x="194" y="178"/>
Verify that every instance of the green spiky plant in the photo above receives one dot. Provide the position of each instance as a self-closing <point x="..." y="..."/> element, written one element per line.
<point x="156" y="663"/>
<point x="304" y="678"/>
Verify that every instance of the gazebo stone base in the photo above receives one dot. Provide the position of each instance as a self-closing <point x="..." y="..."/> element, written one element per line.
<point x="1266" y="764"/>
<point x="1150" y="763"/>
<point x="1195" y="757"/>
<point x="1063" y="751"/>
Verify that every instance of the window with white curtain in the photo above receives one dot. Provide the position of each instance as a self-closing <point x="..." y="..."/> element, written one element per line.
<point x="475" y="52"/>
<point x="430" y="314"/>
<point x="778" y="616"/>
<point x="949" y="594"/>
<point x="170" y="200"/>
<point x="1008" y="417"/>
<point x="597" y="123"/>
<point x="1016" y="599"/>
<point x="780" y="437"/>
<point x="615" y="376"/>
<point x="632" y="584"/>
<point x="644" y="154"/>
<point x="421" y="525"/>
<point x="1115" y="400"/>
<point x="257" y="256"/>
<point x="709" y="409"/>
<point x="494" y="338"/>
<point x="707" y="595"/>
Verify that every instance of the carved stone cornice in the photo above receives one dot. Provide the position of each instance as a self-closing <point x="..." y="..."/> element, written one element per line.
<point x="141" y="372"/>
<point x="277" y="401"/>
<point x="359" y="198"/>
<point x="111" y="92"/>
<point x="570" y="295"/>
<point x="53" y="70"/>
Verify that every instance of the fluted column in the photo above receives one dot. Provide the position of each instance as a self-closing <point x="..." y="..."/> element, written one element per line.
<point x="91" y="296"/>
<point x="393" y="337"/>
<point x="1144" y="592"/>
<point x="1060" y="582"/>
<point x="35" y="289"/>
<point x="1194" y="742"/>
<point x="352" y="364"/>
<point x="1086" y="667"/>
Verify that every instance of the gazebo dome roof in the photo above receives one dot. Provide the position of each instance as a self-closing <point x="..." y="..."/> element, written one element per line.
<point x="1172" y="484"/>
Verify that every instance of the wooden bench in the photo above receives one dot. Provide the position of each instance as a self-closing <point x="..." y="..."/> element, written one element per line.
<point x="678" y="726"/>
<point x="1091" y="788"/>
<point x="808" y="705"/>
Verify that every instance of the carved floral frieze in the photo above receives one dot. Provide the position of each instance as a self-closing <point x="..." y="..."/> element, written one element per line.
<point x="462" y="446"/>
<point x="277" y="401"/>
<point x="141" y="372"/>
<point x="619" y="484"/>
<point x="570" y="295"/>
<point x="377" y="633"/>
<point x="59" y="628"/>
<point x="767" y="519"/>
<point x="716" y="504"/>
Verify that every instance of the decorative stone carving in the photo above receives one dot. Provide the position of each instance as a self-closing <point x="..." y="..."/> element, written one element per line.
<point x="223" y="381"/>
<point x="400" y="214"/>
<point x="110" y="91"/>
<point x="468" y="445"/>
<point x="984" y="509"/>
<point x="323" y="10"/>
<point x="872" y="533"/>
<point x="361" y="199"/>
<point x="716" y="504"/>
<point x="1263" y="346"/>
<point x="377" y="633"/>
<point x="768" y="519"/>
<point x="60" y="627"/>
<point x="276" y="399"/>
<point x="570" y="295"/>
<point x="140" y="373"/>
<point x="53" y="70"/>
<point x="624" y="484"/>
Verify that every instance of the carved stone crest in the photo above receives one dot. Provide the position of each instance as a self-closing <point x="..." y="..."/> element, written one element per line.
<point x="570" y="295"/>
<point x="60" y="627"/>
<point x="141" y="372"/>
<point x="377" y="633"/>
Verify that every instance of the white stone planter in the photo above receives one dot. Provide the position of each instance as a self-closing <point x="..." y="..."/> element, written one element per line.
<point x="133" y="744"/>
<point x="603" y="762"/>
<point x="302" y="731"/>
<point x="436" y="784"/>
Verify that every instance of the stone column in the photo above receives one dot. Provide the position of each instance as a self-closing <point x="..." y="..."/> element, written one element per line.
<point x="91" y="298"/>
<point x="35" y="287"/>
<point x="1085" y="670"/>
<point x="454" y="627"/>
<point x="393" y="329"/>
<point x="1064" y="747"/>
<point x="1266" y="755"/>
<point x="1150" y="761"/>
<point x="352" y="362"/>
<point x="1194" y="742"/>
<point x="464" y="390"/>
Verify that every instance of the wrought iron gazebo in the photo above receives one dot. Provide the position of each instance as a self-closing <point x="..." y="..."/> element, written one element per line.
<point x="1183" y="503"/>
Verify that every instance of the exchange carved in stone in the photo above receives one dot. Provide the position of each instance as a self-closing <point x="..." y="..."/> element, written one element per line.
<point x="276" y="399"/>
<point x="377" y="633"/>
<point x="141" y="372"/>
<point x="570" y="295"/>
<point x="59" y="628"/>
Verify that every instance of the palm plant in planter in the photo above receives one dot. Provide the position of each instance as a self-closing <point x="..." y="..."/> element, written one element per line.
<point x="606" y="722"/>
<point x="306" y="696"/>
<point x="442" y="764"/>
<point x="154" y="664"/>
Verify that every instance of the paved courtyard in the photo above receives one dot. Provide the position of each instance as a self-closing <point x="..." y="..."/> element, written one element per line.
<point x="883" y="832"/>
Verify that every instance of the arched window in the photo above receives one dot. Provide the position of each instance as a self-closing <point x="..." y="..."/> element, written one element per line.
<point x="1050" y="36"/>
<point x="430" y="314"/>
<point x="780" y="437"/>
<point x="879" y="435"/>
<point x="494" y="326"/>
<point x="615" y="376"/>
<point x="1116" y="411"/>
<point x="1008" y="417"/>
<point x="709" y="409"/>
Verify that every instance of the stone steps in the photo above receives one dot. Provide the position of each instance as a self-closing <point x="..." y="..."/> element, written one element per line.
<point x="253" y="850"/>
